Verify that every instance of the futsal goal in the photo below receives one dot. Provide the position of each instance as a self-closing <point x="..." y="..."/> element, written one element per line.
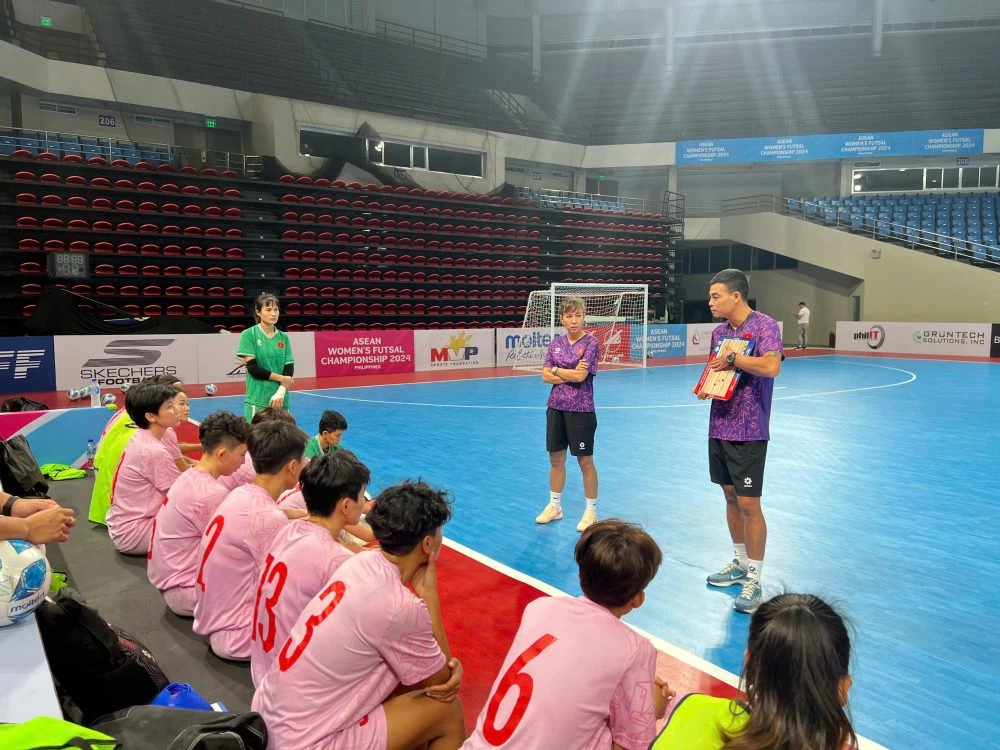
<point x="616" y="315"/>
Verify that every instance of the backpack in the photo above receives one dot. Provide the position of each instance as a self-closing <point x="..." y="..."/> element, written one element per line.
<point x="19" y="472"/>
<point x="22" y="403"/>
<point x="167" y="728"/>
<point x="99" y="668"/>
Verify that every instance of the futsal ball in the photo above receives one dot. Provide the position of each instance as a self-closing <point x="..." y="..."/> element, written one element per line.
<point x="109" y="399"/>
<point x="75" y="394"/>
<point x="24" y="579"/>
<point x="211" y="389"/>
<point x="125" y="387"/>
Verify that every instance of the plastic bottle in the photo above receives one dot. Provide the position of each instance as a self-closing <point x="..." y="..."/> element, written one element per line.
<point x="95" y="392"/>
<point x="91" y="454"/>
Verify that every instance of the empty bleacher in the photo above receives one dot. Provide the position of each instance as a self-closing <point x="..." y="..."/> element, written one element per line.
<point x="961" y="225"/>
<point x="202" y="244"/>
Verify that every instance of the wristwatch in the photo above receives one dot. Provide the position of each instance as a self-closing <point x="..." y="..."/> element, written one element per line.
<point x="8" y="507"/>
<point x="731" y="358"/>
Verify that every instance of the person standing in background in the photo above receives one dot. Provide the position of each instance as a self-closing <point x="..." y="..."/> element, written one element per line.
<point x="267" y="353"/>
<point x="802" y="316"/>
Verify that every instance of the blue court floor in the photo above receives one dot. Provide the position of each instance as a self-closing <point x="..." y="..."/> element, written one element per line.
<point x="881" y="495"/>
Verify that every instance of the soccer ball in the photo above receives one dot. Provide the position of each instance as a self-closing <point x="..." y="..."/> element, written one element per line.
<point x="75" y="394"/>
<point x="24" y="579"/>
<point x="211" y="389"/>
<point x="109" y="399"/>
<point x="125" y="387"/>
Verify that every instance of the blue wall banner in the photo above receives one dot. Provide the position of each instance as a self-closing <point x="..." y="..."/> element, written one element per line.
<point x="27" y="364"/>
<point x="663" y="340"/>
<point x="839" y="146"/>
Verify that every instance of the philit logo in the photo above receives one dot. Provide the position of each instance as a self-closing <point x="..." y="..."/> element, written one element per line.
<point x="874" y="337"/>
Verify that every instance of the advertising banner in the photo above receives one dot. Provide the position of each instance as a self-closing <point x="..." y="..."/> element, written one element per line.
<point x="995" y="342"/>
<point x="454" y="349"/>
<point x="664" y="340"/>
<point x="952" y="339"/>
<point x="834" y="146"/>
<point x="116" y="360"/>
<point x="217" y="361"/>
<point x="27" y="364"/>
<point x="522" y="346"/>
<point x="363" y="352"/>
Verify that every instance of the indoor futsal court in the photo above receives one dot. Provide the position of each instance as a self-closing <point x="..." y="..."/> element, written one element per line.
<point x="876" y="493"/>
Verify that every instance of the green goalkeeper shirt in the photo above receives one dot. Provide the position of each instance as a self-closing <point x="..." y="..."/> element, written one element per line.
<point x="271" y="354"/>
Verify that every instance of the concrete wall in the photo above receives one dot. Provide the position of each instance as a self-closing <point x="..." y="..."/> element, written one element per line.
<point x="900" y="285"/>
<point x="778" y="293"/>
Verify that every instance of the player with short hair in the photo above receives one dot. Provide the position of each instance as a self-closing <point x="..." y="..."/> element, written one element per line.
<point x="172" y="560"/>
<point x="245" y="474"/>
<point x="332" y="426"/>
<point x="571" y="419"/>
<point x="593" y="679"/>
<point x="304" y="555"/>
<point x="235" y="543"/>
<point x="366" y="637"/>
<point x="739" y="430"/>
<point x="146" y="469"/>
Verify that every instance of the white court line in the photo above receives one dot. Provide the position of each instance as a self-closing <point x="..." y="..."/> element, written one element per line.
<point x="700" y="404"/>
<point x="669" y="649"/>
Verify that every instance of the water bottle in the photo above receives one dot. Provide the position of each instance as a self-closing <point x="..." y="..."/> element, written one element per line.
<point x="91" y="455"/>
<point x="95" y="392"/>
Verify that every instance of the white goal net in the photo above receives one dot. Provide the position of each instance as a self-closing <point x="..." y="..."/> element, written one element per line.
<point x="616" y="316"/>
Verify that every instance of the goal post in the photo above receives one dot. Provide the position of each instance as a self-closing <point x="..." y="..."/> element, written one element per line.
<point x="616" y="314"/>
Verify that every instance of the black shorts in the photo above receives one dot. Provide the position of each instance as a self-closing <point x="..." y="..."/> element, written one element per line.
<point x="573" y="428"/>
<point x="739" y="463"/>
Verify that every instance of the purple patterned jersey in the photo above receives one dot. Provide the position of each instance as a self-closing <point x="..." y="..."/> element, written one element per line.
<point x="566" y="356"/>
<point x="747" y="414"/>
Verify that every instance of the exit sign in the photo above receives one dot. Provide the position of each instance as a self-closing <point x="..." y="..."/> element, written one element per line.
<point x="210" y="123"/>
<point x="46" y="21"/>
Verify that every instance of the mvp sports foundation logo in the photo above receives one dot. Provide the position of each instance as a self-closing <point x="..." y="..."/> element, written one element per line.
<point x="128" y="361"/>
<point x="458" y="351"/>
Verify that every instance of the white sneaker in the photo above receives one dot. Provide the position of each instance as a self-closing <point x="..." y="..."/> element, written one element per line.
<point x="552" y="512"/>
<point x="588" y="520"/>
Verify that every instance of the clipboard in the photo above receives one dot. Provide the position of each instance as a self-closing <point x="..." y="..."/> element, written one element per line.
<point x="721" y="385"/>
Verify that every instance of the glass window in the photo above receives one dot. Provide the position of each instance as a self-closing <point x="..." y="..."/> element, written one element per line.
<point x="784" y="262"/>
<point x="888" y="180"/>
<point x="719" y="260"/>
<point x="988" y="177"/>
<point x="699" y="261"/>
<point x="763" y="259"/>
<point x="396" y="155"/>
<point x="741" y="257"/>
<point x="455" y="162"/>
<point x="420" y="157"/>
<point x="970" y="177"/>
<point x="950" y="178"/>
<point x="933" y="180"/>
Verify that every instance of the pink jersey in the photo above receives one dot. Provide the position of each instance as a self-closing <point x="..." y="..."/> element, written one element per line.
<point x="292" y="499"/>
<point x="591" y="678"/>
<point x="243" y="475"/>
<point x="178" y="528"/>
<point x="144" y="474"/>
<point x="302" y="558"/>
<point x="232" y="553"/>
<point x="173" y="444"/>
<point x="353" y="644"/>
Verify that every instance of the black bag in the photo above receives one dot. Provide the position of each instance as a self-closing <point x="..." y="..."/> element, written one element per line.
<point x="19" y="471"/>
<point x="22" y="403"/>
<point x="99" y="667"/>
<point x="168" y="728"/>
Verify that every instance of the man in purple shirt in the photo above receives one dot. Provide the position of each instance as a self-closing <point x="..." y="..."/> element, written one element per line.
<point x="738" y="430"/>
<point x="570" y="366"/>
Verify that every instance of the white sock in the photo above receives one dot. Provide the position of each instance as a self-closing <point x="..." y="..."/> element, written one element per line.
<point x="592" y="504"/>
<point x="555" y="498"/>
<point x="754" y="569"/>
<point x="740" y="552"/>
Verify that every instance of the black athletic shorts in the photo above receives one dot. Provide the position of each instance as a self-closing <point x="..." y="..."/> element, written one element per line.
<point x="739" y="463"/>
<point x="573" y="428"/>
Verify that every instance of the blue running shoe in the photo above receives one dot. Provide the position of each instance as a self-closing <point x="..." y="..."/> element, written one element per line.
<point x="728" y="576"/>
<point x="749" y="598"/>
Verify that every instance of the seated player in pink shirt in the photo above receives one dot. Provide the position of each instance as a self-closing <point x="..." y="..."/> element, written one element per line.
<point x="304" y="555"/>
<point x="192" y="500"/>
<point x="146" y="469"/>
<point x="245" y="474"/>
<point x="576" y="676"/>
<point x="178" y="449"/>
<point x="366" y="638"/>
<point x="237" y="538"/>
